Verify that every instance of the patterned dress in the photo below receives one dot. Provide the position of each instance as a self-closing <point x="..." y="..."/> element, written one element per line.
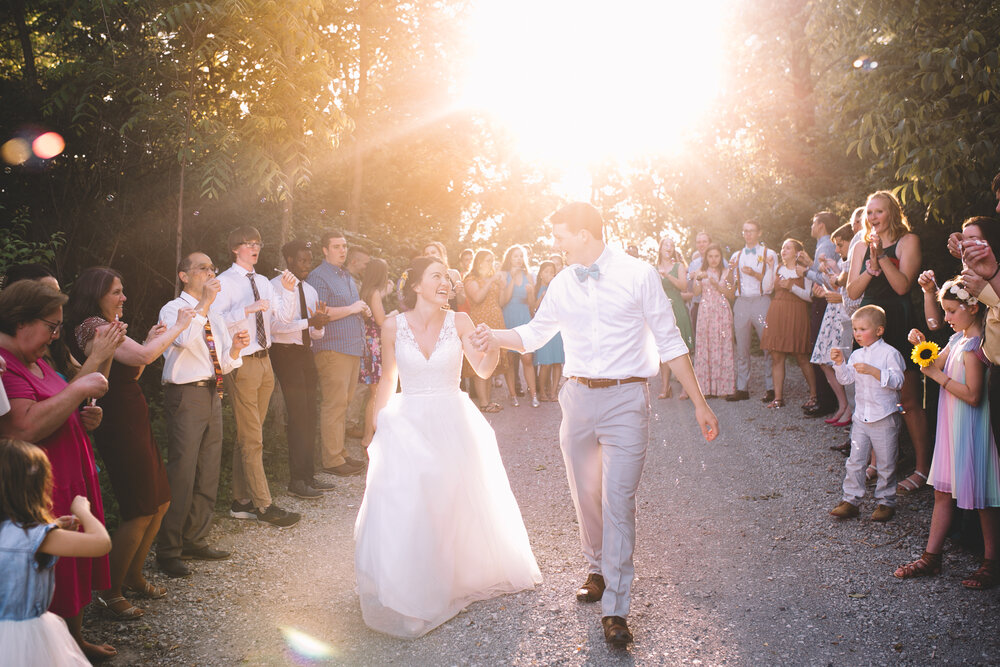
<point x="487" y="311"/>
<point x="714" y="363"/>
<point x="965" y="457"/>
<point x="371" y="360"/>
<point x="835" y="330"/>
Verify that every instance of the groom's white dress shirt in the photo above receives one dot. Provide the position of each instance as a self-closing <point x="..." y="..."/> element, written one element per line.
<point x="617" y="326"/>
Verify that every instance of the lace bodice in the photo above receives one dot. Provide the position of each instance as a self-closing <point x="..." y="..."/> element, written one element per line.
<point x="438" y="374"/>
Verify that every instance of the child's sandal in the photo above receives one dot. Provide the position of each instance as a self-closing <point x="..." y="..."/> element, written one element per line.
<point x="985" y="577"/>
<point x="928" y="565"/>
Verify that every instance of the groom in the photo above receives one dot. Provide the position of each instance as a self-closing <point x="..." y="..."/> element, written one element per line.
<point x="611" y="309"/>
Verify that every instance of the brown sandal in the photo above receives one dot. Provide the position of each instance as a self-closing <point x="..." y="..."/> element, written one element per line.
<point x="985" y="577"/>
<point x="492" y="407"/>
<point x="928" y="565"/>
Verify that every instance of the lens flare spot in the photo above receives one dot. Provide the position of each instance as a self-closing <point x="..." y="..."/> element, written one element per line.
<point x="306" y="646"/>
<point x="16" y="151"/>
<point x="48" y="145"/>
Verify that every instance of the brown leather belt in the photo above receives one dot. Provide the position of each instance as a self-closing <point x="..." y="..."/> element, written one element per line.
<point x="604" y="383"/>
<point x="259" y="354"/>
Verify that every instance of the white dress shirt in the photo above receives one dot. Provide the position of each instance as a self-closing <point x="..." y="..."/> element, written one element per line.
<point x="693" y="268"/>
<point x="874" y="399"/>
<point x="757" y="260"/>
<point x="618" y="326"/>
<point x="804" y="292"/>
<point x="237" y="294"/>
<point x="290" y="333"/>
<point x="187" y="359"/>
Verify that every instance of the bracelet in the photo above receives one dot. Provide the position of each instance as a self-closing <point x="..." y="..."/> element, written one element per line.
<point x="945" y="385"/>
<point x="994" y="273"/>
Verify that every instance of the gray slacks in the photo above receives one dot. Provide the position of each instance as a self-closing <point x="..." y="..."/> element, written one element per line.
<point x="603" y="436"/>
<point x="750" y="311"/>
<point x="194" y="455"/>
<point x="882" y="437"/>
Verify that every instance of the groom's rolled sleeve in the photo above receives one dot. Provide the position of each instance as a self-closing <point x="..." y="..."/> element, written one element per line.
<point x="542" y="327"/>
<point x="659" y="316"/>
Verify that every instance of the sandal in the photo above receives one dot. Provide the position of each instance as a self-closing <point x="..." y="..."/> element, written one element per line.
<point x="811" y="403"/>
<point x="928" y="565"/>
<point x="129" y="613"/>
<point x="492" y="407"/>
<point x="669" y="393"/>
<point x="148" y="591"/>
<point x="776" y="403"/>
<point x="985" y="577"/>
<point x="916" y="481"/>
<point x="871" y="473"/>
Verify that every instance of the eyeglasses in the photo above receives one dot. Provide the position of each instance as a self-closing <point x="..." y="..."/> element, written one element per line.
<point x="749" y="231"/>
<point x="204" y="267"/>
<point x="53" y="326"/>
<point x="254" y="245"/>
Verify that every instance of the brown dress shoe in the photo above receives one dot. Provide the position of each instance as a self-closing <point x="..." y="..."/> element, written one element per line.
<point x="616" y="631"/>
<point x="592" y="589"/>
<point x="883" y="513"/>
<point x="844" y="510"/>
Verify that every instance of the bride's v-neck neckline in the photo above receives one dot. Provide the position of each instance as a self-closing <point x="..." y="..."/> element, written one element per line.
<point x="437" y="339"/>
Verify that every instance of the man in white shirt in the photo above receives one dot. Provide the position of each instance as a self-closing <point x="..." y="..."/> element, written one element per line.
<point x="248" y="302"/>
<point x="193" y="366"/>
<point x="617" y="326"/>
<point x="292" y="359"/>
<point x="753" y="269"/>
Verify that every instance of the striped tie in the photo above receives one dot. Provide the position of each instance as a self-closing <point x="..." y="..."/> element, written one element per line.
<point x="258" y="316"/>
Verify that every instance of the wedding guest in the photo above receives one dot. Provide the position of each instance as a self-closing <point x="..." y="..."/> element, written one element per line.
<point x="248" y="302"/>
<point x="338" y="353"/>
<point x="482" y="288"/>
<point x="45" y="410"/>
<point x="125" y="436"/>
<point x="373" y="291"/>
<point x="31" y="542"/>
<point x="295" y="370"/>
<point x="673" y="277"/>
<point x="714" y="363"/>
<point x="357" y="259"/>
<point x="787" y="330"/>
<point x="823" y="223"/>
<point x="834" y="330"/>
<point x="557" y="259"/>
<point x="753" y="271"/>
<point x="701" y="241"/>
<point x="883" y="274"/>
<point x="193" y="366"/>
<point x="515" y="298"/>
<point x="465" y="261"/>
<point x="550" y="357"/>
<point x="876" y="368"/>
<point x="56" y="356"/>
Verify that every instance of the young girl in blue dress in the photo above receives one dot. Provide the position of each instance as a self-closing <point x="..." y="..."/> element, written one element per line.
<point x="31" y="541"/>
<point x="965" y="470"/>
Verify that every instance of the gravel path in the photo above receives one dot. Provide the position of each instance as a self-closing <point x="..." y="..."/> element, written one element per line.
<point x="737" y="563"/>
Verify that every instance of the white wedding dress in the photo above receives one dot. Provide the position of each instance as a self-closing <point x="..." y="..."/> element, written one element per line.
<point x="439" y="527"/>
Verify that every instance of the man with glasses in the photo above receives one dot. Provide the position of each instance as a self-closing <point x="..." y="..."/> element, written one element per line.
<point x="753" y="270"/>
<point x="338" y="352"/>
<point x="248" y="302"/>
<point x="192" y="401"/>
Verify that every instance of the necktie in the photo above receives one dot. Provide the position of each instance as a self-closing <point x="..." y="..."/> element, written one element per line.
<point x="210" y="341"/>
<point x="305" y="315"/>
<point x="258" y="316"/>
<point x="582" y="273"/>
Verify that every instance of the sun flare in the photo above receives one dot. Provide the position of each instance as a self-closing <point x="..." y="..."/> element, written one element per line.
<point x="578" y="82"/>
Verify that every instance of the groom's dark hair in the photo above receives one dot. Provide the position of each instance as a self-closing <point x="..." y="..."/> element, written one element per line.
<point x="580" y="215"/>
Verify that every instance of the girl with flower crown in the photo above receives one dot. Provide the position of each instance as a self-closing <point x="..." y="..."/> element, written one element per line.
<point x="965" y="469"/>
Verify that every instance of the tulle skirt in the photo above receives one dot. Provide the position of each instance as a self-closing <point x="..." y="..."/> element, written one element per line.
<point x="43" y="641"/>
<point x="439" y="527"/>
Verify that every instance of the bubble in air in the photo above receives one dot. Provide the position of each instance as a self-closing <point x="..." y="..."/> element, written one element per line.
<point x="263" y="200"/>
<point x="110" y="198"/>
<point x="196" y="213"/>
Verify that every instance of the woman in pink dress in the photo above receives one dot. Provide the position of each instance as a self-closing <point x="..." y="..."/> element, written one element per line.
<point x="713" y="352"/>
<point x="47" y="411"/>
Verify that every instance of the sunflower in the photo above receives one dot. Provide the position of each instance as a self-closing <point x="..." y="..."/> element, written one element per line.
<point x="925" y="353"/>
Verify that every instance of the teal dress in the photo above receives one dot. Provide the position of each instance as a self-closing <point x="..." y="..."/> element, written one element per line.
<point x="680" y="308"/>
<point x="552" y="352"/>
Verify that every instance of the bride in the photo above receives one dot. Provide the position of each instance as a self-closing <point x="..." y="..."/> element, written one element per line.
<point x="438" y="527"/>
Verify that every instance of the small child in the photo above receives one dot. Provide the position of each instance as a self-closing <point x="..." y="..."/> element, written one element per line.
<point x="31" y="541"/>
<point x="877" y="371"/>
<point x="965" y="469"/>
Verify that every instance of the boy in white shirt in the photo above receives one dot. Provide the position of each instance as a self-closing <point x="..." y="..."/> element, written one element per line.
<point x="876" y="369"/>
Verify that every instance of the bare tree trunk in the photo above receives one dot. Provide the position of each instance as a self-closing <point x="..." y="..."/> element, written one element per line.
<point x="30" y="72"/>
<point x="354" y="212"/>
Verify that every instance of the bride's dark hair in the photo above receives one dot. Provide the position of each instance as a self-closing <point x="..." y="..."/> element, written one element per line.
<point x="414" y="275"/>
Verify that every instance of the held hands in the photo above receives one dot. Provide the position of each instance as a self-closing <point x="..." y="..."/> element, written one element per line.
<point x="483" y="339"/>
<point x="91" y="416"/>
<point x="915" y="337"/>
<point x="319" y="318"/>
<point x="258" y="306"/>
